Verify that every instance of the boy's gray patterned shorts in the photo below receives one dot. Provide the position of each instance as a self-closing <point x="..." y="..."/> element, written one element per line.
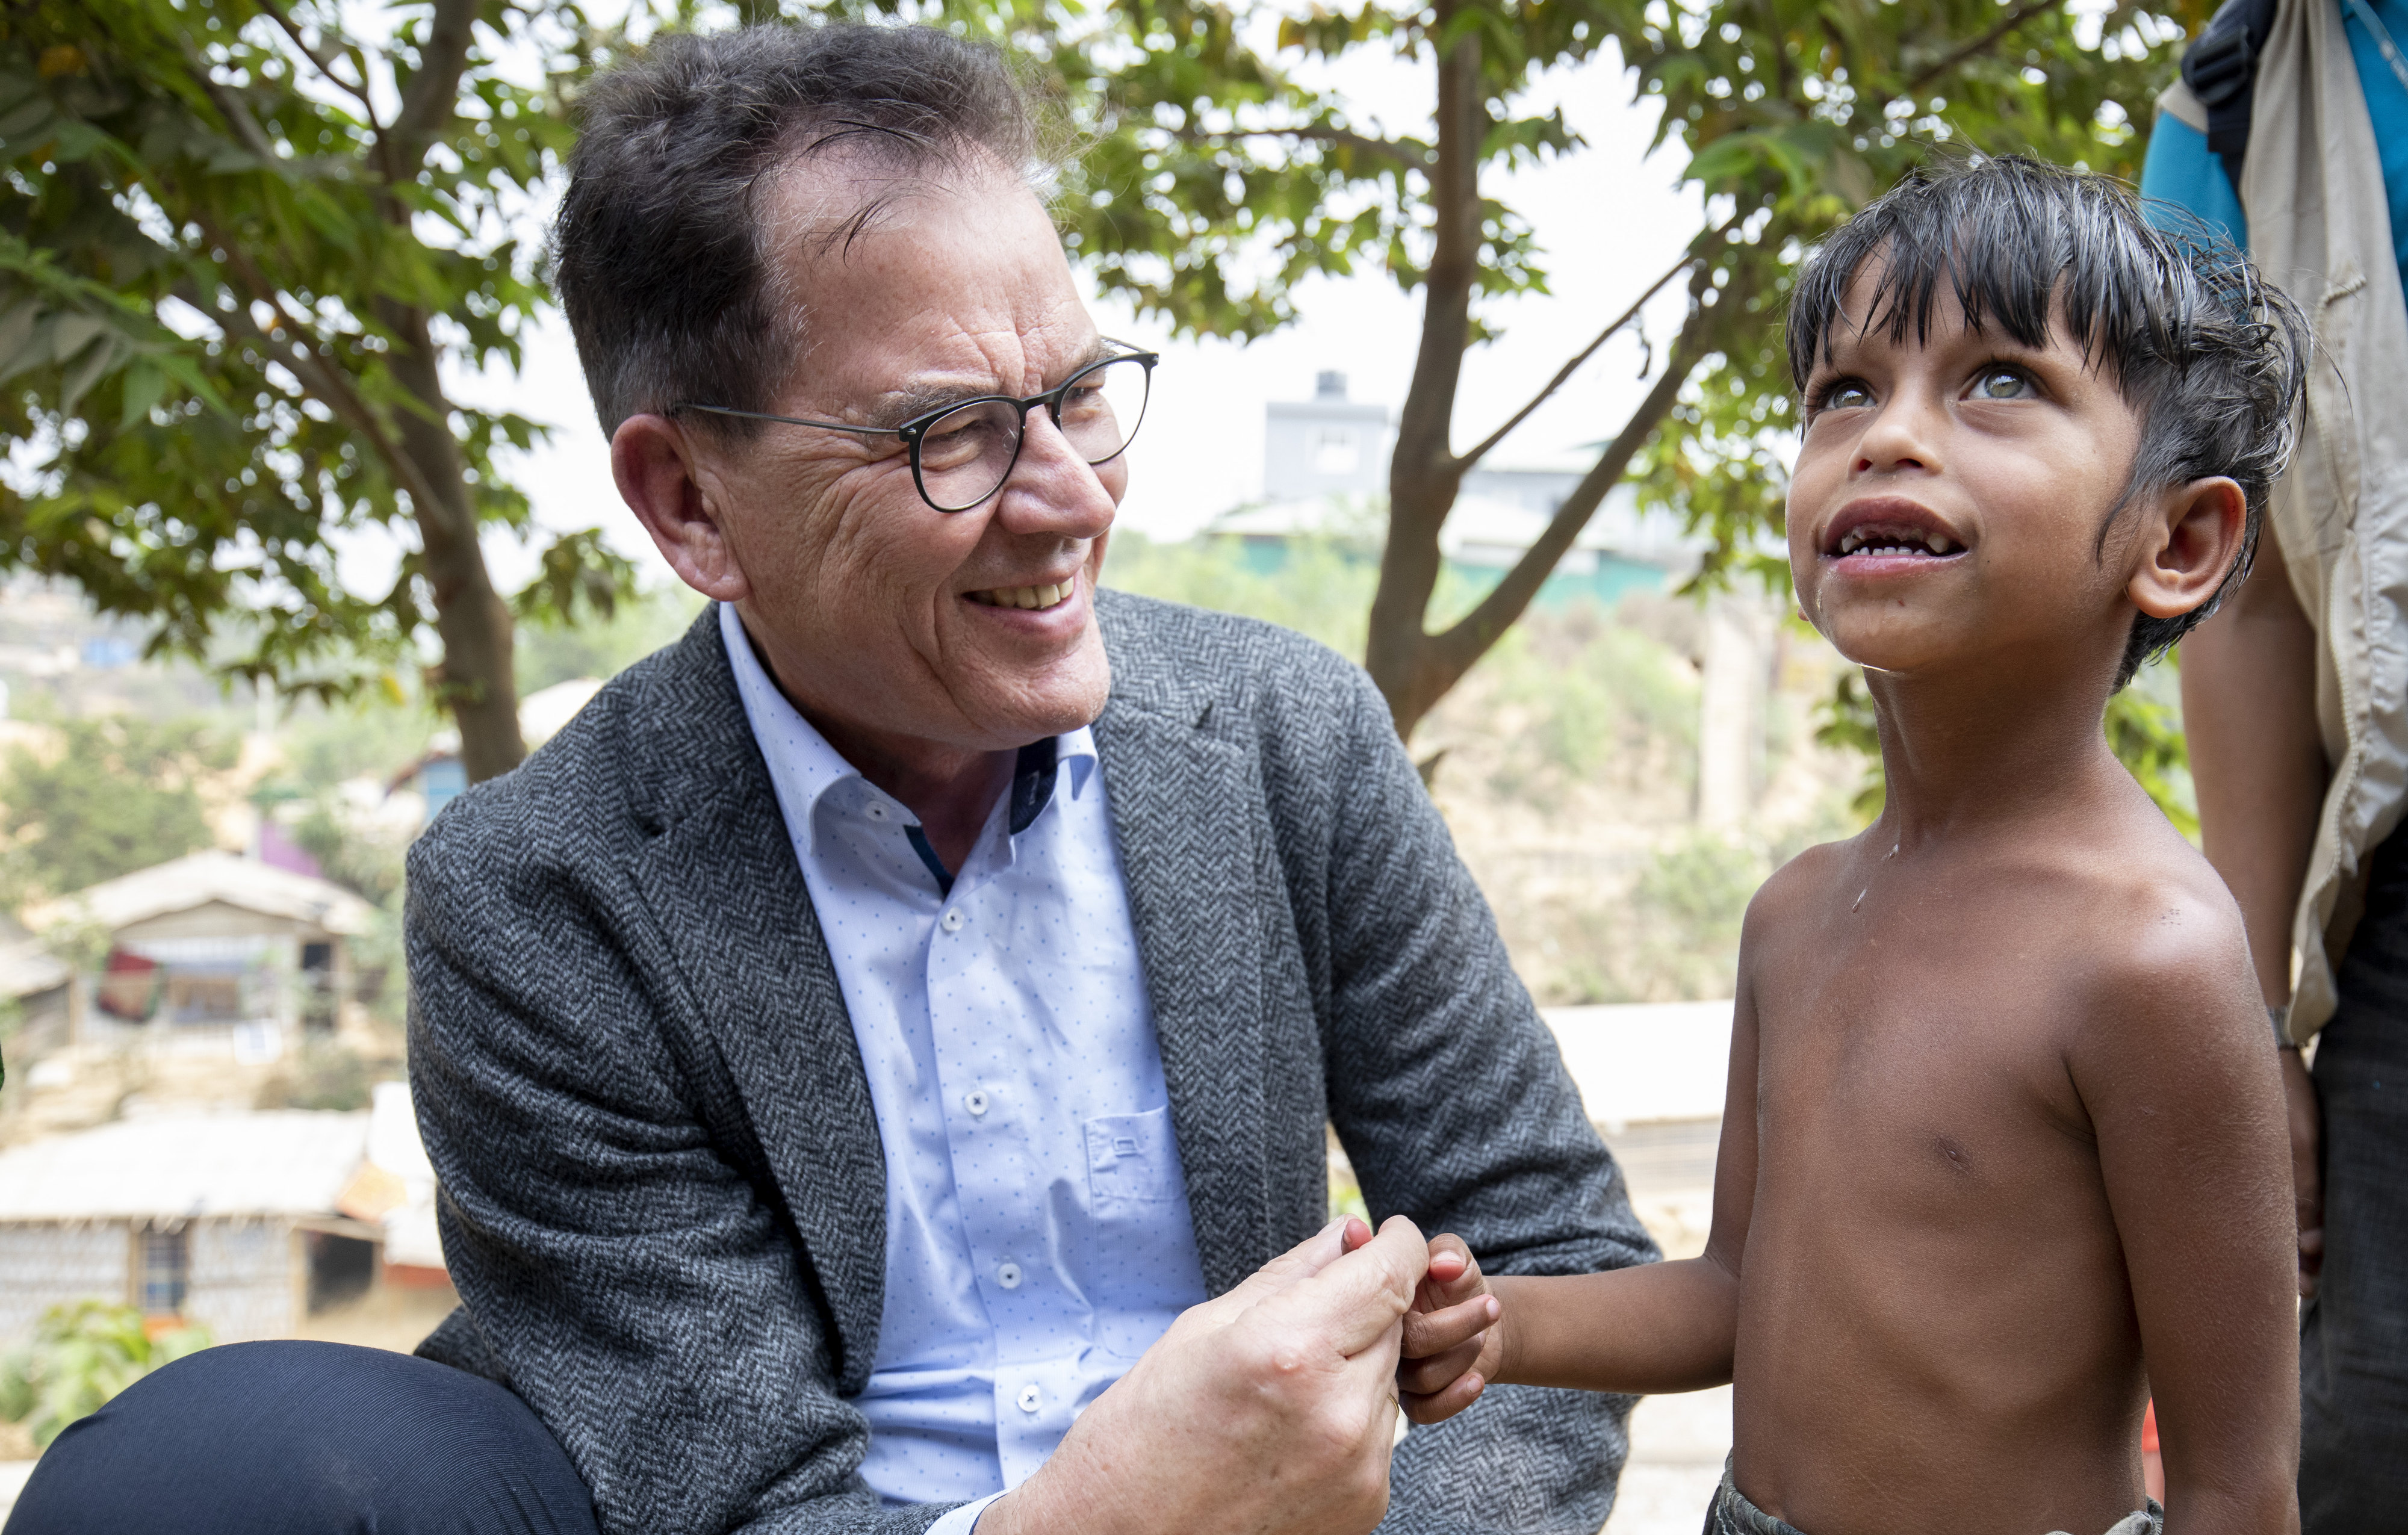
<point x="1734" y="1514"/>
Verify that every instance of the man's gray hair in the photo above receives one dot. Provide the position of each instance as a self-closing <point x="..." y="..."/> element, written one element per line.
<point x="659" y="253"/>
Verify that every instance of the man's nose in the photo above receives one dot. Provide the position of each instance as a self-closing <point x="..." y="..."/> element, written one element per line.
<point x="1053" y="488"/>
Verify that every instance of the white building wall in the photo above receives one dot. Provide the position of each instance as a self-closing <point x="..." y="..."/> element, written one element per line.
<point x="247" y="1279"/>
<point x="45" y="1263"/>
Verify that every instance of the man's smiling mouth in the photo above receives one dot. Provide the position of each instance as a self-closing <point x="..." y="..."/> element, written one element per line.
<point x="1032" y="598"/>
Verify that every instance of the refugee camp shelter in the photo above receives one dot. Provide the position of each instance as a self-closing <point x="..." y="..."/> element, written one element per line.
<point x="210" y="950"/>
<point x="229" y="1221"/>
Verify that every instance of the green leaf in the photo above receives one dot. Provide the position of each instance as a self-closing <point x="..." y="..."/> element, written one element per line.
<point x="145" y="382"/>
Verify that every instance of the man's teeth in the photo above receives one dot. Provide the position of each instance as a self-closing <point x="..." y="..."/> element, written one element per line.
<point x="1027" y="596"/>
<point x="1892" y="542"/>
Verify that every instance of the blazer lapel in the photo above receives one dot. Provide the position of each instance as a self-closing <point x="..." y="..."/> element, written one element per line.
<point x="722" y="879"/>
<point x="1189" y="857"/>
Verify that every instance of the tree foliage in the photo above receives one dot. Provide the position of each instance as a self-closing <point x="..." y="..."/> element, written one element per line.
<point x="1215" y="183"/>
<point x="81" y="1356"/>
<point x="239" y="242"/>
<point x="118" y="794"/>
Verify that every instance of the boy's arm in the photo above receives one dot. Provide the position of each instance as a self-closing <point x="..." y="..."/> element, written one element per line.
<point x="1668" y="1327"/>
<point x="2186" y="1101"/>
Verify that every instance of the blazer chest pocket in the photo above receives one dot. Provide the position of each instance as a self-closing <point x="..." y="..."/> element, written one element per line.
<point x="1132" y="1157"/>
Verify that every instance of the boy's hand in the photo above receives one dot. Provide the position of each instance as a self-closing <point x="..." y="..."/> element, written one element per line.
<point x="1454" y="1340"/>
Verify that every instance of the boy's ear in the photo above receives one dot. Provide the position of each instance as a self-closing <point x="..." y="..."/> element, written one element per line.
<point x="2187" y="547"/>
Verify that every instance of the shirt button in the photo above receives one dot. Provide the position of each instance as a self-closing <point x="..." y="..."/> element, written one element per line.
<point x="1030" y="1399"/>
<point x="976" y="1103"/>
<point x="1009" y="1277"/>
<point x="953" y="920"/>
<point x="877" y="811"/>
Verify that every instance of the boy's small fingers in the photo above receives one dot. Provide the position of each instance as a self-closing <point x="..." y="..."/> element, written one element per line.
<point x="1421" y="1377"/>
<point x="1436" y="1407"/>
<point x="1429" y="1333"/>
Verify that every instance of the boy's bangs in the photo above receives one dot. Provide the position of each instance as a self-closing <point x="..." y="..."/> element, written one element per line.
<point x="2017" y="248"/>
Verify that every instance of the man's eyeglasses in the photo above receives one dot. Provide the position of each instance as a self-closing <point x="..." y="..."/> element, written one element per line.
<point x="963" y="452"/>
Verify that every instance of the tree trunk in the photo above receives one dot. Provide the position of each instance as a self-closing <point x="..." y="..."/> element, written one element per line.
<point x="1424" y="474"/>
<point x="477" y="680"/>
<point x="1412" y="668"/>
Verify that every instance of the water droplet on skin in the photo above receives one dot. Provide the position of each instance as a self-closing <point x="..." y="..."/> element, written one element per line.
<point x="1860" y="898"/>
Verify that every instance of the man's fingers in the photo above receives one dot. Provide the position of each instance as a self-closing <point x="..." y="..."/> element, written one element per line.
<point x="1301" y="1262"/>
<point x="1354" y="1302"/>
<point x="1431" y="1333"/>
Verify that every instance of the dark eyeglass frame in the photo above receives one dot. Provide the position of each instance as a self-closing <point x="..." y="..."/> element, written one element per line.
<point x="914" y="430"/>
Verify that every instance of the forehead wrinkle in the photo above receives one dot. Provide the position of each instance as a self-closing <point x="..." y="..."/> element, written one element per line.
<point x="933" y="392"/>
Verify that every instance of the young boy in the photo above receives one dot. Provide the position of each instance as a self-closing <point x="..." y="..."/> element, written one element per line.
<point x="2003" y="1152"/>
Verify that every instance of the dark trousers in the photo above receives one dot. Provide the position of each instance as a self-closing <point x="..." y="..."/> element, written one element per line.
<point x="2354" y="1335"/>
<point x="306" y="1439"/>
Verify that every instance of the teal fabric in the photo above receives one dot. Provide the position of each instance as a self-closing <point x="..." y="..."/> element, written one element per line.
<point x="2387" y="103"/>
<point x="2181" y="170"/>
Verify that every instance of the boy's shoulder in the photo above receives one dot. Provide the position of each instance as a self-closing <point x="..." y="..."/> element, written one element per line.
<point x="2151" y="931"/>
<point x="2129" y="918"/>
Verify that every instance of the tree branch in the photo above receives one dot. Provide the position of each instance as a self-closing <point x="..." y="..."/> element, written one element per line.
<point x="1455" y="650"/>
<point x="1474" y="455"/>
<point x="325" y="62"/>
<point x="239" y="122"/>
<point x="433" y="91"/>
<point x="315" y="375"/>
<point x="1982" y="43"/>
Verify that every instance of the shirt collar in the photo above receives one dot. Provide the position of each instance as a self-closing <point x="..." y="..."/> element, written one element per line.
<point x="805" y="767"/>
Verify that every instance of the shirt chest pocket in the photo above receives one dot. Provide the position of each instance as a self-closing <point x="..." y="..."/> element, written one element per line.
<point x="1131" y="1158"/>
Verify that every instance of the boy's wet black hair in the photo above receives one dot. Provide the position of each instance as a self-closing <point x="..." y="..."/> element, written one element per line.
<point x="2212" y="356"/>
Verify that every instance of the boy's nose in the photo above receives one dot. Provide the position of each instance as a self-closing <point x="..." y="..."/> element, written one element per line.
<point x="1899" y="438"/>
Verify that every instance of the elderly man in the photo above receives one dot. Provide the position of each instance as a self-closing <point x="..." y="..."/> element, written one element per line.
<point x="877" y="1057"/>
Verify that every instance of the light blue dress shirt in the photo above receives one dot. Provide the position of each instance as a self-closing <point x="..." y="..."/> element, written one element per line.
<point x="1037" y="1238"/>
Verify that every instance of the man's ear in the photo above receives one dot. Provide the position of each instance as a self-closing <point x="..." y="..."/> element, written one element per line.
<point x="2187" y="547"/>
<point x="654" y="463"/>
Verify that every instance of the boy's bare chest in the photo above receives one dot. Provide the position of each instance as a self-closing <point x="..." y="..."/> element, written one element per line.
<point x="1920" y="1050"/>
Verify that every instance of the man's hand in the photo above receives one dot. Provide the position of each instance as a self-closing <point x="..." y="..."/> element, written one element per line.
<point x="1269" y="1411"/>
<point x="1454" y="1341"/>
<point x="2307" y="1166"/>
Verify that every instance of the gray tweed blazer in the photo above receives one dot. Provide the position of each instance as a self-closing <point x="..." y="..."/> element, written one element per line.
<point x="663" y="1197"/>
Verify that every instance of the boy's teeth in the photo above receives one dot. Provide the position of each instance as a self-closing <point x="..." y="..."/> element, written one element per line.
<point x="1892" y="543"/>
<point x="1027" y="596"/>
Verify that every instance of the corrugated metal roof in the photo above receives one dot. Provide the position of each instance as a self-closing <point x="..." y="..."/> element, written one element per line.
<point x="287" y="1162"/>
<point x="26" y="967"/>
<point x="197" y="880"/>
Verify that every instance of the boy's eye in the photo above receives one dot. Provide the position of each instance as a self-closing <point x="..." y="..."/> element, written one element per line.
<point x="2002" y="384"/>
<point x="1845" y="395"/>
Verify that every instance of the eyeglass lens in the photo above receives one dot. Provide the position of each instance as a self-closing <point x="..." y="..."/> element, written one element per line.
<point x="966" y="454"/>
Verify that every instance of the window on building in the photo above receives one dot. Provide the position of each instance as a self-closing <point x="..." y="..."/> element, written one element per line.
<point x="166" y="1272"/>
<point x="1336" y="452"/>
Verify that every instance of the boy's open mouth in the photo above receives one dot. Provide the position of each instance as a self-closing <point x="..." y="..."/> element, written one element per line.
<point x="1890" y="528"/>
<point x="1894" y="540"/>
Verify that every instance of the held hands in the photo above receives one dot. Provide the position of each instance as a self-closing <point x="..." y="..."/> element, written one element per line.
<point x="1268" y="1411"/>
<point x="1454" y="1339"/>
